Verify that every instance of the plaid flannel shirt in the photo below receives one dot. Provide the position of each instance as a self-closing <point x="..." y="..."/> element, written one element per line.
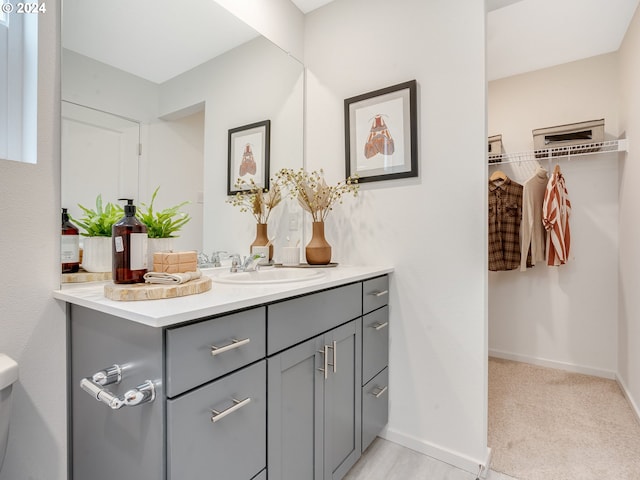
<point x="505" y="215"/>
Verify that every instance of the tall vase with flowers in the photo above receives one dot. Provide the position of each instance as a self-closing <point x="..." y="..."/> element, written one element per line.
<point x="318" y="198"/>
<point x="259" y="202"/>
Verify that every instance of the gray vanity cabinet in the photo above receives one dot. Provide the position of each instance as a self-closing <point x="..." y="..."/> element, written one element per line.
<point x="314" y="407"/>
<point x="290" y="390"/>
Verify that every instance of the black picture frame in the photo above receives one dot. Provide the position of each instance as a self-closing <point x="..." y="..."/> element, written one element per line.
<point x="380" y="133"/>
<point x="248" y="156"/>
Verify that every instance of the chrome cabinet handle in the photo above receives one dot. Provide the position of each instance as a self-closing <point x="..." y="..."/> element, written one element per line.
<point x="380" y="391"/>
<point x="143" y="393"/>
<point x="326" y="364"/>
<point x="379" y="326"/>
<point x="335" y="358"/>
<point x="215" y="350"/>
<point x="325" y="361"/>
<point x="108" y="376"/>
<point x="379" y="293"/>
<point x="237" y="405"/>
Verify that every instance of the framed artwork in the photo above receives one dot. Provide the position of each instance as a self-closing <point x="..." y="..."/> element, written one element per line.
<point x="380" y="133"/>
<point x="249" y="156"/>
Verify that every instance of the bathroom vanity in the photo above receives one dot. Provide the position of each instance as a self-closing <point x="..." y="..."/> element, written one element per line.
<point x="282" y="381"/>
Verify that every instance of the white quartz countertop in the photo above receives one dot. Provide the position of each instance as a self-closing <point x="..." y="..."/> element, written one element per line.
<point x="222" y="298"/>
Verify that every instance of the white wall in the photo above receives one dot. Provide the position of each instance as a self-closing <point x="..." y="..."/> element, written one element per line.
<point x="270" y="87"/>
<point x="32" y="324"/>
<point x="432" y="228"/>
<point x="278" y="20"/>
<point x="629" y="325"/>
<point x="175" y="162"/>
<point x="562" y="316"/>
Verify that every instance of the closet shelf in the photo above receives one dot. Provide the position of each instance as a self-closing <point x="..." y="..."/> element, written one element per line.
<point x="621" y="145"/>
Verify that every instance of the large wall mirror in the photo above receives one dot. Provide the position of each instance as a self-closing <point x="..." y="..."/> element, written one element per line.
<point x="149" y="94"/>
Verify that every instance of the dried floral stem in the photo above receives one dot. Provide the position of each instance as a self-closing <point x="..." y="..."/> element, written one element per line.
<point x="313" y="193"/>
<point x="260" y="202"/>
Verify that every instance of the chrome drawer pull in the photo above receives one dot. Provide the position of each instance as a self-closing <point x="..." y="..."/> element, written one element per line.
<point x="380" y="391"/>
<point x="238" y="404"/>
<point x="380" y="293"/>
<point x="234" y="344"/>
<point x="379" y="326"/>
<point x="325" y="361"/>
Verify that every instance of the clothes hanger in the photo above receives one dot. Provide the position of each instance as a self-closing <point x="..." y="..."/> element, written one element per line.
<point x="498" y="175"/>
<point x="556" y="169"/>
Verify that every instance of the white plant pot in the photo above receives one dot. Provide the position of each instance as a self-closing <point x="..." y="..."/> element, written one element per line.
<point x="157" y="245"/>
<point x="97" y="254"/>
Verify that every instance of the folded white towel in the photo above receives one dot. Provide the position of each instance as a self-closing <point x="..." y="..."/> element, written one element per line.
<point x="171" y="278"/>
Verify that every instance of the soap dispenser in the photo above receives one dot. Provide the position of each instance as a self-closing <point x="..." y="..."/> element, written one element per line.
<point x="69" y="245"/>
<point x="129" y="236"/>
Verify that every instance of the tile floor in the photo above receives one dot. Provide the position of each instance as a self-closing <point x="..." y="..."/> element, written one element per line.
<point x="385" y="460"/>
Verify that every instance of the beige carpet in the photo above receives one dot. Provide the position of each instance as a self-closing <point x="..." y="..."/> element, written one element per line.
<point x="547" y="424"/>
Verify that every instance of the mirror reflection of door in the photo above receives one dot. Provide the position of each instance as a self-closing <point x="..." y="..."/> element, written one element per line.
<point x="99" y="156"/>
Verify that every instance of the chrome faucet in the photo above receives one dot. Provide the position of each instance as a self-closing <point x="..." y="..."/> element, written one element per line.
<point x="250" y="263"/>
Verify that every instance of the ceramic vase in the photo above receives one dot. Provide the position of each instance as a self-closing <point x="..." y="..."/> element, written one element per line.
<point x="97" y="254"/>
<point x="157" y="245"/>
<point x="318" y="250"/>
<point x="262" y="239"/>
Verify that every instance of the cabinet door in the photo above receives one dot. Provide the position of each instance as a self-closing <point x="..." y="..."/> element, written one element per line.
<point x="295" y="429"/>
<point x="342" y="400"/>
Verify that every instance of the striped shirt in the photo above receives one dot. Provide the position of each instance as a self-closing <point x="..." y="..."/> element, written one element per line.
<point x="505" y="215"/>
<point x="556" y="211"/>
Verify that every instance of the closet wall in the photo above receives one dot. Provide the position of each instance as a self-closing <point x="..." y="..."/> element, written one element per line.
<point x="629" y="324"/>
<point x="563" y="316"/>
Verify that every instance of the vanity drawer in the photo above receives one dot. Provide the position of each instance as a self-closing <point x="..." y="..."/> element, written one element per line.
<point x="375" y="342"/>
<point x="191" y="360"/>
<point x="233" y="446"/>
<point x="375" y="407"/>
<point x="375" y="293"/>
<point x="294" y="321"/>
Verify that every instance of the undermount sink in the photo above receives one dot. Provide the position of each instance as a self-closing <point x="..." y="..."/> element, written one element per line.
<point x="272" y="275"/>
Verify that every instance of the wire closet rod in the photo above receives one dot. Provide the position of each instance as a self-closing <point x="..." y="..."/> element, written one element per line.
<point x="559" y="152"/>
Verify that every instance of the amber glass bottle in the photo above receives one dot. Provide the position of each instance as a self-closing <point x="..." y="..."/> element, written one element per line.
<point x="129" y="236"/>
<point x="69" y="245"/>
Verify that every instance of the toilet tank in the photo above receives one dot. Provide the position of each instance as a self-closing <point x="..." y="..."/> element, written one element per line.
<point x="8" y="371"/>
<point x="8" y="375"/>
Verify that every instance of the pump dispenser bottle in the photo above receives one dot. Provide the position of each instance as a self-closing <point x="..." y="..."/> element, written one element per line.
<point x="129" y="247"/>
<point x="69" y="245"/>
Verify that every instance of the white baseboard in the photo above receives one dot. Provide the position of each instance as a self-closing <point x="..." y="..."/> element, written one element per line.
<point x="445" y="455"/>
<point x="569" y="367"/>
<point x="625" y="391"/>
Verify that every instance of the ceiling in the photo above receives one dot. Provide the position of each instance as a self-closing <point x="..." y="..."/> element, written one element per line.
<point x="160" y="43"/>
<point x="527" y="35"/>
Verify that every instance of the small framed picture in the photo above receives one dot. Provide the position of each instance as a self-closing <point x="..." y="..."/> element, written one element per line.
<point x="380" y="133"/>
<point x="249" y="156"/>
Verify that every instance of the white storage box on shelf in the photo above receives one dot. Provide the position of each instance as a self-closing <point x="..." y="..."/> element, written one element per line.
<point x="495" y="148"/>
<point x="555" y="141"/>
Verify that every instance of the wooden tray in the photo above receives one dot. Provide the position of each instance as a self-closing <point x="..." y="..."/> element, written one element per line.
<point x="84" y="276"/>
<point x="154" y="291"/>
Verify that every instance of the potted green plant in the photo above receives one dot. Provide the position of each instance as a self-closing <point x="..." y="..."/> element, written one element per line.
<point x="96" y="244"/>
<point x="162" y="225"/>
